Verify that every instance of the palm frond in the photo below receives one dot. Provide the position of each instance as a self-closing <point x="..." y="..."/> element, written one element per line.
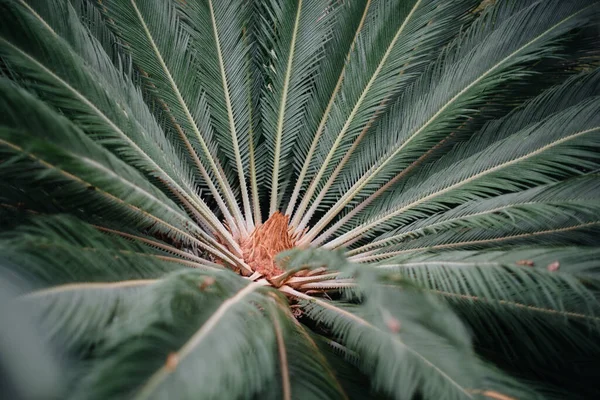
<point x="558" y="98"/>
<point x="75" y="316"/>
<point x="85" y="171"/>
<point x="160" y="47"/>
<point x="348" y="21"/>
<point x="395" y="345"/>
<point x="29" y="364"/>
<point x="542" y="295"/>
<point x="223" y="72"/>
<point x="546" y="150"/>
<point x="540" y="209"/>
<point x="301" y="28"/>
<point x="185" y="334"/>
<point x="61" y="78"/>
<point x="400" y="38"/>
<point x="355" y="383"/>
<point x="486" y="56"/>
<point x="59" y="250"/>
<point x="304" y="372"/>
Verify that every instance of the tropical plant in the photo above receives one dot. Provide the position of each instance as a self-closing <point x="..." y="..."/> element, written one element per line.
<point x="307" y="199"/>
<point x="28" y="367"/>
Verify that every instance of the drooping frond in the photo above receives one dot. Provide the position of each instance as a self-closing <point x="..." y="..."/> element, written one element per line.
<point x="543" y="296"/>
<point x="60" y="250"/>
<point x="351" y="378"/>
<point x="400" y="352"/>
<point x="75" y="316"/>
<point x="184" y="335"/>
<point x="303" y="371"/>
<point x="509" y="277"/>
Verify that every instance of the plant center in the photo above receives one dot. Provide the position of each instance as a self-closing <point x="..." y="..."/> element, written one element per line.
<point x="265" y="242"/>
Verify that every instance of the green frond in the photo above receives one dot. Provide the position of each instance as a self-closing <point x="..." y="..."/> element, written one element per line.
<point x="160" y="46"/>
<point x="344" y="362"/>
<point x="41" y="146"/>
<point x="59" y="250"/>
<point x="303" y="371"/>
<point x="101" y="102"/>
<point x="401" y="38"/>
<point x="486" y="56"/>
<point x="302" y="31"/>
<point x="76" y="316"/>
<point x="348" y="21"/>
<point x="544" y="296"/>
<point x="527" y="215"/>
<point x="222" y="72"/>
<point x="402" y="353"/>
<point x="536" y="154"/>
<point x="30" y="366"/>
<point x="558" y="98"/>
<point x="201" y="316"/>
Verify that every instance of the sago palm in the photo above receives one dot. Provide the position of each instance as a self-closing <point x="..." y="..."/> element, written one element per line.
<point x="305" y="199"/>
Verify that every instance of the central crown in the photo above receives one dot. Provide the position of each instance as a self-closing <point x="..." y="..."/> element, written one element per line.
<point x="265" y="242"/>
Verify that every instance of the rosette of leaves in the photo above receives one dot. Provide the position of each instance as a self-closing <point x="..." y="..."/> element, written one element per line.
<point x="306" y="199"/>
